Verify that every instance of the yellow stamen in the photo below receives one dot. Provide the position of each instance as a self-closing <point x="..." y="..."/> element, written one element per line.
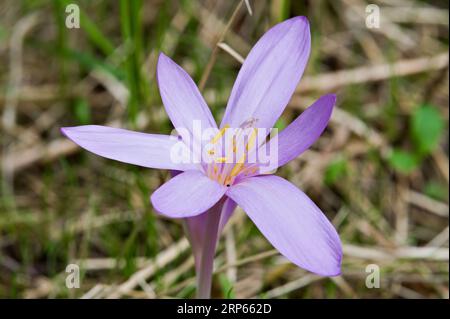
<point x="236" y="169"/>
<point x="219" y="134"/>
<point x="227" y="181"/>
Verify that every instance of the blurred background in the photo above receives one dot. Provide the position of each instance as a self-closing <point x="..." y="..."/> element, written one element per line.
<point x="380" y="171"/>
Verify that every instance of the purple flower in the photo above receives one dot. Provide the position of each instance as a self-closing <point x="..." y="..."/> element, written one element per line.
<point x="205" y="194"/>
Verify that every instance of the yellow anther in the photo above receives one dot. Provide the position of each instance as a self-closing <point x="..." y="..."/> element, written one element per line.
<point x="251" y="140"/>
<point x="220" y="159"/>
<point x="219" y="134"/>
<point x="222" y="174"/>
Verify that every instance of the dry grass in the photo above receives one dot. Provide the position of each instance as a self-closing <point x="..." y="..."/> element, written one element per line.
<point x="60" y="205"/>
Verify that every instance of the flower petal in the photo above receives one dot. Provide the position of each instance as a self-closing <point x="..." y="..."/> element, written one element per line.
<point x="291" y="222"/>
<point x="183" y="102"/>
<point x="228" y="209"/>
<point x="147" y="150"/>
<point x="187" y="194"/>
<point x="298" y="136"/>
<point x="270" y="74"/>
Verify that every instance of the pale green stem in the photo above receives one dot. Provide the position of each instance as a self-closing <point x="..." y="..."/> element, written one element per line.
<point x="205" y="267"/>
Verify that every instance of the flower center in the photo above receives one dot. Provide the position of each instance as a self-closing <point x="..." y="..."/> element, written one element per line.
<point x="233" y="153"/>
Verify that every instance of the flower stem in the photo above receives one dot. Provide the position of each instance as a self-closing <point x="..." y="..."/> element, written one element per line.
<point x="205" y="268"/>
